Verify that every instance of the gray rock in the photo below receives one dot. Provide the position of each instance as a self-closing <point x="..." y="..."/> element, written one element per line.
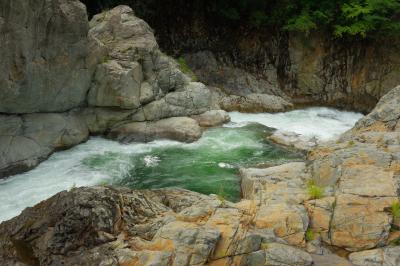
<point x="231" y="79"/>
<point x="388" y="256"/>
<point x="115" y="85"/>
<point x="212" y="118"/>
<point x="99" y="120"/>
<point x="43" y="55"/>
<point x="284" y="255"/>
<point x="294" y="140"/>
<point x="133" y="71"/>
<point x="175" y="128"/>
<point x="254" y="103"/>
<point x="194" y="99"/>
<point x="29" y="139"/>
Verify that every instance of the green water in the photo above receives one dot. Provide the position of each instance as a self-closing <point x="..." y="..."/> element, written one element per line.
<point x="209" y="165"/>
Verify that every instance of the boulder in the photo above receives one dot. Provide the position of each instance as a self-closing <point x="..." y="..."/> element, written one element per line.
<point x="294" y="140"/>
<point x="175" y="128"/>
<point x="384" y="117"/>
<point x="194" y="99"/>
<point x="388" y="256"/>
<point x="284" y="255"/>
<point x="289" y="222"/>
<point x="27" y="140"/>
<point x="212" y="118"/>
<point x="254" y="103"/>
<point x="131" y="70"/>
<point x="43" y="54"/>
<point x="279" y="191"/>
<point x="283" y="183"/>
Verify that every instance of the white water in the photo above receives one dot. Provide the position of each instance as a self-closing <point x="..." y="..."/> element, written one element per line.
<point x="64" y="170"/>
<point x="320" y="122"/>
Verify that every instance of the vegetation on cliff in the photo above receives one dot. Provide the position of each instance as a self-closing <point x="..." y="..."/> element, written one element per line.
<point x="342" y="18"/>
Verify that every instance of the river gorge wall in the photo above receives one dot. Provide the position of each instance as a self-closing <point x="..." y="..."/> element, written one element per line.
<point x="239" y="58"/>
<point x="63" y="79"/>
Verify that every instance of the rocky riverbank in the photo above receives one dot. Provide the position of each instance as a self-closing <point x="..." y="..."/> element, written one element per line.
<point x="109" y="77"/>
<point x="302" y="213"/>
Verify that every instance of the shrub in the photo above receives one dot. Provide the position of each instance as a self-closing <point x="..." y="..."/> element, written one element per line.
<point x="314" y="191"/>
<point x="395" y="208"/>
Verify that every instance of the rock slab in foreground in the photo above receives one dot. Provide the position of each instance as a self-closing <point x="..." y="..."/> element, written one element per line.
<point x="117" y="226"/>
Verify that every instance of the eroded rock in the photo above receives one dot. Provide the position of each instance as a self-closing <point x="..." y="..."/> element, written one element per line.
<point x="175" y="128"/>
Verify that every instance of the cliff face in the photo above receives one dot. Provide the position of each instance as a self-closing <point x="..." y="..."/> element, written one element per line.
<point x="311" y="69"/>
<point x="43" y="54"/>
<point x="63" y="79"/>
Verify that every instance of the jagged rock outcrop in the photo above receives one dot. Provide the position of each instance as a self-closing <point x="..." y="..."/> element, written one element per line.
<point x="117" y="226"/>
<point x="43" y="55"/>
<point x="358" y="217"/>
<point x="100" y="75"/>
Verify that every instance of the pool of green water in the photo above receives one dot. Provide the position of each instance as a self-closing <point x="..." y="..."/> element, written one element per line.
<point x="208" y="166"/>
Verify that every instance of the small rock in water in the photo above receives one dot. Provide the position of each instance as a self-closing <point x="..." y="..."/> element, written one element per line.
<point x="225" y="165"/>
<point x="151" y="161"/>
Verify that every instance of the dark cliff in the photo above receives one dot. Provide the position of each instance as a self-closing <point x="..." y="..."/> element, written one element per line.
<point x="312" y="69"/>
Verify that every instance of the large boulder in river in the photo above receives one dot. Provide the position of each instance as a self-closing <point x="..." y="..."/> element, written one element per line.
<point x="212" y="118"/>
<point x="175" y="128"/>
<point x="43" y="55"/>
<point x="254" y="103"/>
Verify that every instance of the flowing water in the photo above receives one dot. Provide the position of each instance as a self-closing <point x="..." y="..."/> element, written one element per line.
<point x="207" y="166"/>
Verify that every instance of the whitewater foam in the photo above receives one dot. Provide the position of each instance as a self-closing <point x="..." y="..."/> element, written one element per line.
<point x="320" y="122"/>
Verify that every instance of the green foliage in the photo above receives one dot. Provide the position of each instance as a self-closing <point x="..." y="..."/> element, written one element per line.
<point x="395" y="242"/>
<point x="303" y="23"/>
<point x="183" y="66"/>
<point x="221" y="195"/>
<point x="363" y="16"/>
<point x="395" y="208"/>
<point x="343" y="18"/>
<point x="314" y="191"/>
<point x="309" y="235"/>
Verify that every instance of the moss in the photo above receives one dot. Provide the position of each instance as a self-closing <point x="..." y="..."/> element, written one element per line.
<point x="184" y="67"/>
<point x="309" y="235"/>
<point x="351" y="143"/>
<point x="264" y="246"/>
<point x="395" y="242"/>
<point x="395" y="209"/>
